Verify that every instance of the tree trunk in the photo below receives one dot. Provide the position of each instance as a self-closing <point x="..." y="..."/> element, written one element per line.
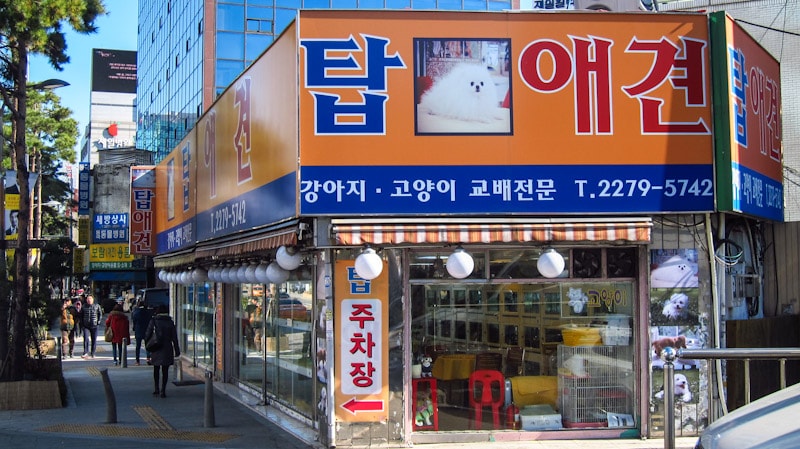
<point x="22" y="278"/>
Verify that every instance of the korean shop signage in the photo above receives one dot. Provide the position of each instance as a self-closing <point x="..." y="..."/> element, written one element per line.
<point x="361" y="335"/>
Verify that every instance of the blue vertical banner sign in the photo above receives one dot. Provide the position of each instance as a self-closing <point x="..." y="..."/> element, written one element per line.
<point x="84" y="188"/>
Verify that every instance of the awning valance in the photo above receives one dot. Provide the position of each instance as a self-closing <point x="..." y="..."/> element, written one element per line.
<point x="628" y="230"/>
<point x="185" y="257"/>
<point x="242" y="246"/>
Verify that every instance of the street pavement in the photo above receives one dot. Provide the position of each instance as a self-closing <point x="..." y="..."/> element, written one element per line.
<point x="179" y="420"/>
<point x="186" y="419"/>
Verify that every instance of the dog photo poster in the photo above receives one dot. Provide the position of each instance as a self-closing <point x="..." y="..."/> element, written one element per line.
<point x="462" y="86"/>
<point x="673" y="268"/>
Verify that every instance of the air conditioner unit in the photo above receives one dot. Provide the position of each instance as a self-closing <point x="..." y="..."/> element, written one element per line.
<point x="617" y="5"/>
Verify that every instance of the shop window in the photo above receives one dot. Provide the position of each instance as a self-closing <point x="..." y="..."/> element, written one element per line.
<point x="511" y="335"/>
<point x="493" y="334"/>
<point x="513" y="264"/>
<point x="456" y="321"/>
<point x="476" y="332"/>
<point x="587" y="263"/>
<point x="621" y="262"/>
<point x="461" y="330"/>
<point x="532" y="337"/>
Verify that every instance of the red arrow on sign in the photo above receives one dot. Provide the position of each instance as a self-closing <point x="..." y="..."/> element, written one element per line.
<point x="354" y="406"/>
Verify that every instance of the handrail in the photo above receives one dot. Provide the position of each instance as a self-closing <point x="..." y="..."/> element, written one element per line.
<point x="670" y="354"/>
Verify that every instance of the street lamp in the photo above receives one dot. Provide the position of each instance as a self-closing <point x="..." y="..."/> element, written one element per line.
<point x="49" y="84"/>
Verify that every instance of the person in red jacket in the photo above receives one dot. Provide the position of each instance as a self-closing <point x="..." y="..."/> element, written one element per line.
<point x="120" y="325"/>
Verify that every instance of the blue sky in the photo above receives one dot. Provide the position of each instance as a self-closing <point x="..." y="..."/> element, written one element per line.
<point x="116" y="31"/>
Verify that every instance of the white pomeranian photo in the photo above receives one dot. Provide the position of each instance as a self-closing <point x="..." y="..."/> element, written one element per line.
<point x="466" y="93"/>
<point x="676" y="306"/>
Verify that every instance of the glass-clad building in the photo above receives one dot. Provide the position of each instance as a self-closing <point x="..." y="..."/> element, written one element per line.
<point x="189" y="52"/>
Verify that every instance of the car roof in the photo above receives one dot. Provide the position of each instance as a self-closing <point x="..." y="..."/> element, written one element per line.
<point x="765" y="423"/>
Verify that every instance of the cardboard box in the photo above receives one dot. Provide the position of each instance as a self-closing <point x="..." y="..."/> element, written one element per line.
<point x="540" y="417"/>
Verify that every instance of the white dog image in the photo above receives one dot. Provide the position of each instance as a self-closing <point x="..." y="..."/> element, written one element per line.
<point x="681" y="389"/>
<point x="466" y="92"/>
<point x="674" y="272"/>
<point x="577" y="300"/>
<point x="676" y="306"/>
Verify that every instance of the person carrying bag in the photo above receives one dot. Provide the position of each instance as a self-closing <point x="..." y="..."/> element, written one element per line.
<point x="162" y="337"/>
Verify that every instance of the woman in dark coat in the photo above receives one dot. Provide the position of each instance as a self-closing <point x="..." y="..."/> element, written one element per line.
<point x="165" y="355"/>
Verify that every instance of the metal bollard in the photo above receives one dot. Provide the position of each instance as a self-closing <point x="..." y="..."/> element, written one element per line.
<point x="178" y="370"/>
<point x="59" y="349"/>
<point x="124" y="353"/>
<point x="208" y="405"/>
<point x="668" y="355"/>
<point x="111" y="400"/>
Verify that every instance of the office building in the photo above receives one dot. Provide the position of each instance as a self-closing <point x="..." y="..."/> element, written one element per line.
<point x="189" y="52"/>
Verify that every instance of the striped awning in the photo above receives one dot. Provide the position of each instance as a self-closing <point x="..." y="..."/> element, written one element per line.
<point x="243" y="246"/>
<point x="517" y="231"/>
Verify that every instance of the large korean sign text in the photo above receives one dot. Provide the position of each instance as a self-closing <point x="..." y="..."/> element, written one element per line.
<point x="615" y="118"/>
<point x="143" y="208"/>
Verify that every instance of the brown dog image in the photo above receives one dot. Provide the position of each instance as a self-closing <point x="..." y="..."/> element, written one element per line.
<point x="663" y="342"/>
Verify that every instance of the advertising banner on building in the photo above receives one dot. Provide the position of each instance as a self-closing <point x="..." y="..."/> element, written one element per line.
<point x="175" y="197"/>
<point x="414" y="112"/>
<point x="362" y="347"/>
<point x="143" y="207"/>
<point x="110" y="256"/>
<point x="247" y="147"/>
<point x="748" y="125"/>
<point x="108" y="228"/>
<point x="113" y="71"/>
<point x="84" y="188"/>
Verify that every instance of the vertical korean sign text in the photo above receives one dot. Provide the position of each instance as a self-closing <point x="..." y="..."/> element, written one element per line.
<point x="362" y="377"/>
<point x="747" y="85"/>
<point x="143" y="192"/>
<point x="84" y="188"/>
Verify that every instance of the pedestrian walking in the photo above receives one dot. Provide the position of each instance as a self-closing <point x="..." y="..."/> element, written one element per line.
<point x="91" y="314"/>
<point x="163" y="356"/>
<point x="140" y="317"/>
<point x="76" y="305"/>
<point x="67" y="329"/>
<point x="120" y="328"/>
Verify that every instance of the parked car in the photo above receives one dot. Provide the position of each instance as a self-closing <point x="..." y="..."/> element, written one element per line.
<point x="290" y="308"/>
<point x="154" y="297"/>
<point x="769" y="422"/>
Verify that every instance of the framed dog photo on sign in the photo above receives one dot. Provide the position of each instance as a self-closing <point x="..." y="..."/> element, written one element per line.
<point x="462" y="86"/>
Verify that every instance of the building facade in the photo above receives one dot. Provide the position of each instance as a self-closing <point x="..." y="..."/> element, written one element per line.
<point x="347" y="243"/>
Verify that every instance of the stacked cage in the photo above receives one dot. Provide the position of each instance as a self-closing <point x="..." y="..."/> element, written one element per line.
<point x="594" y="385"/>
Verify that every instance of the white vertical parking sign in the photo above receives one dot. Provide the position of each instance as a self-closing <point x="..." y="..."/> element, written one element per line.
<point x="361" y="346"/>
<point x="361" y="317"/>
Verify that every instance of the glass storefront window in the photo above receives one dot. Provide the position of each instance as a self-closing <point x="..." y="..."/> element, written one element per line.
<point x="565" y="346"/>
<point x="288" y="344"/>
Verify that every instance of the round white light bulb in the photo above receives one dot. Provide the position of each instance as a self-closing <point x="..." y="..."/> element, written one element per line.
<point x="261" y="273"/>
<point x="550" y="263"/>
<point x="199" y="275"/>
<point x="460" y="264"/>
<point x="369" y="264"/>
<point x="276" y="274"/>
<point x="250" y="273"/>
<point x="288" y="259"/>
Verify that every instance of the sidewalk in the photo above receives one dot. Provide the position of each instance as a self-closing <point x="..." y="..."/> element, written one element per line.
<point x="178" y="420"/>
<point x="175" y="421"/>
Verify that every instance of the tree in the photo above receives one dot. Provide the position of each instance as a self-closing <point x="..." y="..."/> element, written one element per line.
<point x="29" y="27"/>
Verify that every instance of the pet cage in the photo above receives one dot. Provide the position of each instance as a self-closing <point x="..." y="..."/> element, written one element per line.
<point x="596" y="385"/>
